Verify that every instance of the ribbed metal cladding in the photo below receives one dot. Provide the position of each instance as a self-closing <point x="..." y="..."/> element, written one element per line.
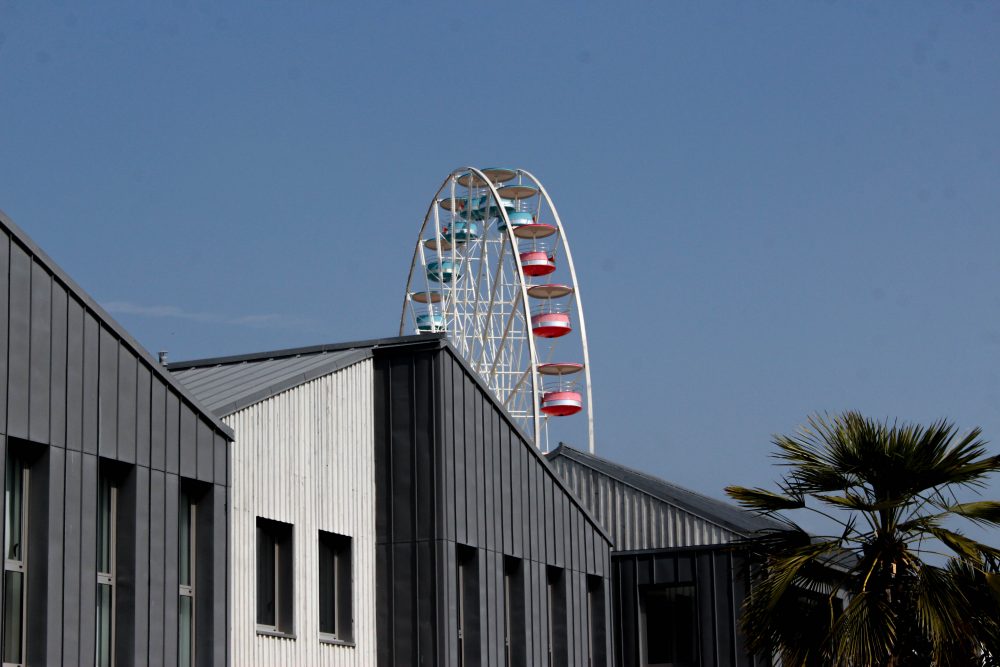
<point x="305" y="457"/>
<point x="634" y="519"/>
<point x="79" y="395"/>
<point x="454" y="475"/>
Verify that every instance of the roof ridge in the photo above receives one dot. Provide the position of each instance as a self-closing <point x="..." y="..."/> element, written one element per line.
<point x="297" y="351"/>
<point x="596" y="462"/>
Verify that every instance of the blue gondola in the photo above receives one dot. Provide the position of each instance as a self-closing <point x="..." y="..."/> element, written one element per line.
<point x="441" y="272"/>
<point x="517" y="218"/>
<point x="461" y="232"/>
<point x="485" y="207"/>
<point x="428" y="323"/>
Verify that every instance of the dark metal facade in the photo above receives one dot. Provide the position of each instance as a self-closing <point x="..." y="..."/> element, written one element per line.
<point x="720" y="578"/>
<point x="457" y="483"/>
<point x="666" y="535"/>
<point x="77" y="395"/>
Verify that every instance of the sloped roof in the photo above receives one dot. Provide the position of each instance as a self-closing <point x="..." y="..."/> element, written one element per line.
<point x="112" y="325"/>
<point x="716" y="511"/>
<point x="229" y="384"/>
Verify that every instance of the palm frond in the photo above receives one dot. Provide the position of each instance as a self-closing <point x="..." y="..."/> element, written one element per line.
<point x="762" y="500"/>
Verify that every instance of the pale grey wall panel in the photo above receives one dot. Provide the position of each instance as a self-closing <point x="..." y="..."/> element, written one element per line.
<point x="143" y="415"/>
<point x="19" y="343"/>
<point x="58" y="393"/>
<point x="188" y="443"/>
<point x="157" y="425"/>
<point x="107" y="398"/>
<point x="126" y="406"/>
<point x="91" y="379"/>
<point x="41" y="355"/>
<point x="305" y="457"/>
<point x="4" y="322"/>
<point x="74" y="375"/>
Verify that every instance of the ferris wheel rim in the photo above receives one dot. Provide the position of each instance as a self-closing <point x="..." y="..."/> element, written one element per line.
<point x="479" y="180"/>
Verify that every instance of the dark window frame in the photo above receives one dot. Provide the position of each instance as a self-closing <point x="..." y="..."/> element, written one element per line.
<point x="275" y="578"/>
<point x="335" y="586"/>
<point x="514" y="612"/>
<point x="467" y="594"/>
<point x="107" y="560"/>
<point x="677" y="629"/>
<point x="555" y="588"/>
<point x="17" y="565"/>
<point x="187" y="509"/>
<point x="596" y="622"/>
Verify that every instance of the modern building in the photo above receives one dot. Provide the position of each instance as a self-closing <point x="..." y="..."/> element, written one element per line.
<point x="387" y="511"/>
<point x="678" y="581"/>
<point x="115" y="486"/>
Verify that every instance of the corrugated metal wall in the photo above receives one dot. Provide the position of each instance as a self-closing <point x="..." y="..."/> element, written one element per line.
<point x="75" y="389"/>
<point x="305" y="457"/>
<point x="633" y="518"/>
<point x="451" y="470"/>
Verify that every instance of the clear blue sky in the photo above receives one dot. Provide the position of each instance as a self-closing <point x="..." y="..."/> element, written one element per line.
<point x="775" y="208"/>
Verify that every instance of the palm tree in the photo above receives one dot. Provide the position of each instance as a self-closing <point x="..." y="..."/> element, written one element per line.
<point x="898" y="583"/>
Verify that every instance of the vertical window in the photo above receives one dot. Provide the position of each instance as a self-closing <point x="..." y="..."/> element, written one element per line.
<point x="15" y="560"/>
<point x="335" y="613"/>
<point x="668" y="626"/>
<point x="107" y="524"/>
<point x="557" y="616"/>
<point x="274" y="576"/>
<point x="597" y="646"/>
<point x="467" y="592"/>
<point x="513" y="612"/>
<point x="186" y="522"/>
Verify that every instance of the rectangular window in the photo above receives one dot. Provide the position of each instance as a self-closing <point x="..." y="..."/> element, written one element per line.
<point x="668" y="626"/>
<point x="107" y="525"/>
<point x="467" y="592"/>
<point x="513" y="613"/>
<point x="597" y="646"/>
<point x="15" y="560"/>
<point x="556" y="588"/>
<point x="274" y="576"/>
<point x="186" y="522"/>
<point x="335" y="613"/>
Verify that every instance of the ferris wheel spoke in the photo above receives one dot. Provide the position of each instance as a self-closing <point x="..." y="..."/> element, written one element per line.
<point x="477" y="292"/>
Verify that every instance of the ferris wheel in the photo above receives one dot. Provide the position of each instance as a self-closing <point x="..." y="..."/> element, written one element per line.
<point x="492" y="270"/>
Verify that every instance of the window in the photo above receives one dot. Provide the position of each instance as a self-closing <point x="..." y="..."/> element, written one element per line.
<point x="557" y="616"/>
<point x="274" y="576"/>
<point x="467" y="591"/>
<point x="335" y="613"/>
<point x="668" y="626"/>
<point x="597" y="646"/>
<point x="107" y="525"/>
<point x="15" y="560"/>
<point x="186" y="522"/>
<point x="513" y="613"/>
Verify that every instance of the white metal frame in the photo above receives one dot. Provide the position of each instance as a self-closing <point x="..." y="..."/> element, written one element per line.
<point x="486" y="315"/>
<point x="108" y="578"/>
<point x="20" y="566"/>
<point x="189" y="590"/>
